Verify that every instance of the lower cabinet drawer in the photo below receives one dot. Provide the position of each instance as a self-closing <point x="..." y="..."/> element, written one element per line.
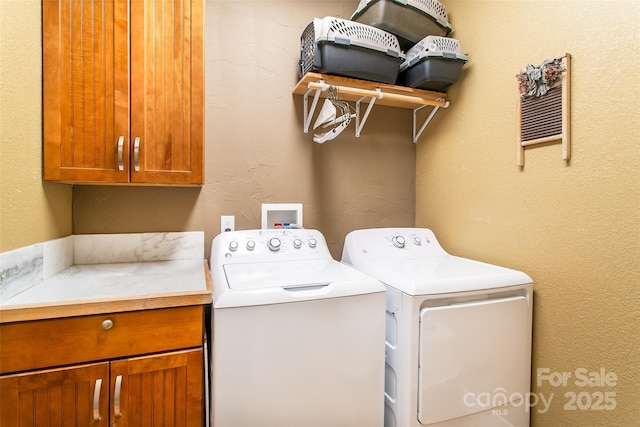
<point x="57" y="342"/>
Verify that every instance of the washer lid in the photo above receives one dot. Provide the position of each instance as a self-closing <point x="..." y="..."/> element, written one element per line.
<point x="262" y="283"/>
<point x="443" y="274"/>
<point x="288" y="274"/>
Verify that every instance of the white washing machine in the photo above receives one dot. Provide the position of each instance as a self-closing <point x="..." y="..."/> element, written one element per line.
<point x="458" y="332"/>
<point x="297" y="337"/>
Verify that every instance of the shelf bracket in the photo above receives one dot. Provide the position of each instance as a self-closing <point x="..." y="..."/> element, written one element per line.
<point x="308" y="115"/>
<point x="382" y="96"/>
<point x="372" y="101"/>
<point x="433" y="112"/>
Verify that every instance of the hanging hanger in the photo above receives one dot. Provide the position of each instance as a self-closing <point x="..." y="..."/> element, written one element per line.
<point x="341" y="120"/>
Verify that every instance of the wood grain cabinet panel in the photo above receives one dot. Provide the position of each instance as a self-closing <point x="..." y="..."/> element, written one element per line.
<point x="162" y="390"/>
<point x="167" y="89"/>
<point x="86" y="338"/>
<point x="85" y="91"/>
<point x="56" y="397"/>
<point x="123" y="91"/>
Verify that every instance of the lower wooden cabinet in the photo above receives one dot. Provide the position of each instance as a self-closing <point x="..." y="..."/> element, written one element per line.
<point x="158" y="390"/>
<point x="130" y="369"/>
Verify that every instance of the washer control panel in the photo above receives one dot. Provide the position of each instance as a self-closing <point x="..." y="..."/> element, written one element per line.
<point x="269" y="245"/>
<point x="392" y="243"/>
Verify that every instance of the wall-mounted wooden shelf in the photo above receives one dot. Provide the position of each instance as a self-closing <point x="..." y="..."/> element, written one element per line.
<point x="356" y="90"/>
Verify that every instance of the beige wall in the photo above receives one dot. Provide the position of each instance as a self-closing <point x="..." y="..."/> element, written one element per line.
<point x="30" y="211"/>
<point x="256" y="151"/>
<point x="573" y="226"/>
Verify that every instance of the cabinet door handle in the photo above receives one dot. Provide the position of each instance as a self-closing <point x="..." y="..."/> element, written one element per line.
<point x="96" y="401"/>
<point x="116" y="400"/>
<point x="120" y="151"/>
<point x="136" y="154"/>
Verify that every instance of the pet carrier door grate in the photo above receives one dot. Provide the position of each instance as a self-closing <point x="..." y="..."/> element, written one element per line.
<point x="544" y="106"/>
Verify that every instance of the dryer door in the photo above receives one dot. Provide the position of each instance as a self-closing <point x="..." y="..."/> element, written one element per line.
<point x="473" y="357"/>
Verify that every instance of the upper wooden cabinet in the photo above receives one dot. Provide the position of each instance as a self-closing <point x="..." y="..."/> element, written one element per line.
<point x="123" y="91"/>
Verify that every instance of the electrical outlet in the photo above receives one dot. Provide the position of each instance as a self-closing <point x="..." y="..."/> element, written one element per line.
<point x="227" y="223"/>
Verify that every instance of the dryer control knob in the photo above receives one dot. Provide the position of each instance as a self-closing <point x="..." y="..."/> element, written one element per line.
<point x="297" y="243"/>
<point x="251" y="245"/>
<point x="417" y="240"/>
<point x="398" y="241"/>
<point x="274" y="244"/>
<point x="233" y="245"/>
<point x="312" y="242"/>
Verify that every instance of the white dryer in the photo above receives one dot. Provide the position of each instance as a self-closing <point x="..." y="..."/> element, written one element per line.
<point x="297" y="337"/>
<point x="458" y="332"/>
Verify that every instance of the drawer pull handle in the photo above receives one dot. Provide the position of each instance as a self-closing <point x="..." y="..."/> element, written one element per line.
<point x="116" y="401"/>
<point x="96" y="401"/>
<point x="107" y="324"/>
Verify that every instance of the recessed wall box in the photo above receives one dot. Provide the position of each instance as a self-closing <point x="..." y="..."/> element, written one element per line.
<point x="281" y="215"/>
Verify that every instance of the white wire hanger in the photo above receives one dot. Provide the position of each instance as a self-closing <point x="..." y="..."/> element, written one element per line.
<point x="334" y="117"/>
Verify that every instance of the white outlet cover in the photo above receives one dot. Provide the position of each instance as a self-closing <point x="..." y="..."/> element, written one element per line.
<point x="227" y="223"/>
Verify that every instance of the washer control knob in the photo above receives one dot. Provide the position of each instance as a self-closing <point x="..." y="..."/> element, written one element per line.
<point x="417" y="240"/>
<point x="251" y="245"/>
<point x="274" y="244"/>
<point x="233" y="246"/>
<point x="312" y="242"/>
<point x="398" y="241"/>
<point x="297" y="243"/>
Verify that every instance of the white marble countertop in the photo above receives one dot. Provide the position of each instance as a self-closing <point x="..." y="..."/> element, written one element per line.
<point x="114" y="284"/>
<point x="115" y="281"/>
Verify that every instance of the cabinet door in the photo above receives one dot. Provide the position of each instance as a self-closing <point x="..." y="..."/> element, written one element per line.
<point x="85" y="91"/>
<point x="161" y="390"/>
<point x="167" y="91"/>
<point x="61" y="397"/>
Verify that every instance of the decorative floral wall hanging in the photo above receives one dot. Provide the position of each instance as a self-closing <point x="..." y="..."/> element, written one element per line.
<point x="536" y="81"/>
<point x="544" y="105"/>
